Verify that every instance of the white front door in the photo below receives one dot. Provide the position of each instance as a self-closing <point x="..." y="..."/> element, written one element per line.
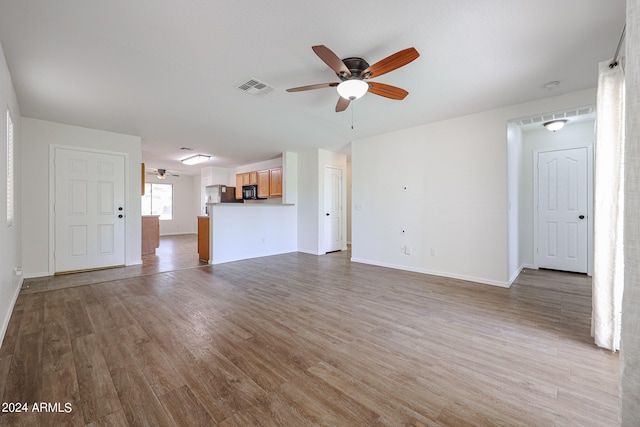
<point x="332" y="209"/>
<point x="562" y="210"/>
<point x="89" y="210"/>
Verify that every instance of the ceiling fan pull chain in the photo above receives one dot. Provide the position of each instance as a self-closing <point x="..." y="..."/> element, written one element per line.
<point x="352" y="107"/>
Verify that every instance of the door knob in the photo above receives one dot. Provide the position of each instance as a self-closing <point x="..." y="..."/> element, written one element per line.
<point x="120" y="216"/>
<point x="120" y="208"/>
<point x="581" y="217"/>
<point x="327" y="214"/>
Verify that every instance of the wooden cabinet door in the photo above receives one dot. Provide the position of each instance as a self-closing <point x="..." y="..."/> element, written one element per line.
<point x="263" y="183"/>
<point x="275" y="182"/>
<point x="239" y="186"/>
<point x="203" y="238"/>
<point x="253" y="177"/>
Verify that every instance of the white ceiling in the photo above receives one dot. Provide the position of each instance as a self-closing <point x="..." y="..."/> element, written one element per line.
<point x="168" y="70"/>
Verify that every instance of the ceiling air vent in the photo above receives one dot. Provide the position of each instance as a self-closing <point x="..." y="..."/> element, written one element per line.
<point x="556" y="116"/>
<point x="256" y="87"/>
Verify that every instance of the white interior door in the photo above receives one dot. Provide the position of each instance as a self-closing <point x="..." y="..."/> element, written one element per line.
<point x="562" y="210"/>
<point x="332" y="209"/>
<point x="89" y="210"/>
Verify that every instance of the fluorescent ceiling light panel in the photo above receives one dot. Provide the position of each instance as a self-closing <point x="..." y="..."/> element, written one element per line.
<point x="193" y="160"/>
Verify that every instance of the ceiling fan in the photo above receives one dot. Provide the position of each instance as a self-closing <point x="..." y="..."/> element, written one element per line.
<point x="355" y="73"/>
<point x="161" y="173"/>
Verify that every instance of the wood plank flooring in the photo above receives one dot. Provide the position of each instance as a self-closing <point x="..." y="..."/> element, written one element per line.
<point x="298" y="340"/>
<point x="176" y="252"/>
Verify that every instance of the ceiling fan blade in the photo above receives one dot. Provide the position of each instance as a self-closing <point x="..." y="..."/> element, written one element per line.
<point x="387" y="91"/>
<point x="332" y="60"/>
<point x="342" y="104"/>
<point x="311" y="87"/>
<point x="390" y="63"/>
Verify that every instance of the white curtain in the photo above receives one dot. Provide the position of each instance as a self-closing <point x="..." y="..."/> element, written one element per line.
<point x="608" y="268"/>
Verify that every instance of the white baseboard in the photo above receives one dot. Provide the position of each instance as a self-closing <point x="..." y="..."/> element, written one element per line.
<point x="5" y="322"/>
<point x="310" y="252"/>
<point x="36" y="275"/>
<point x="436" y="273"/>
<point x="515" y="275"/>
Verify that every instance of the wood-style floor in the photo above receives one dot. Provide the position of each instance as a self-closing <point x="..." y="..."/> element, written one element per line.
<point x="176" y="252"/>
<point x="297" y="340"/>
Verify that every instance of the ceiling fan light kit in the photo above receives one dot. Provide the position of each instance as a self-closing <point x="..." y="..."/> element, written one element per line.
<point x="554" y="125"/>
<point x="352" y="89"/>
<point x="355" y="73"/>
<point x="193" y="160"/>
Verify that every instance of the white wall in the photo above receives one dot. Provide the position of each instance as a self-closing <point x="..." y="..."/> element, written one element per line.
<point x="289" y="178"/>
<point x="210" y="175"/>
<point x="339" y="161"/>
<point x="349" y="205"/>
<point x="10" y="237"/>
<point x="455" y="210"/>
<point x="572" y="135"/>
<point x="243" y="231"/>
<point x="308" y="202"/>
<point x="267" y="164"/>
<point x="185" y="210"/>
<point x="37" y="138"/>
<point x="514" y="170"/>
<point x="630" y="335"/>
<point x="311" y="164"/>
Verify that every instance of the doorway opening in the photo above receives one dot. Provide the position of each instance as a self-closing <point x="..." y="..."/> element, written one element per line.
<point x="526" y="139"/>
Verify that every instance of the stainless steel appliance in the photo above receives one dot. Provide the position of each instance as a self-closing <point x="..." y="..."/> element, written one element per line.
<point x="250" y="192"/>
<point x="220" y="194"/>
<point x="215" y="194"/>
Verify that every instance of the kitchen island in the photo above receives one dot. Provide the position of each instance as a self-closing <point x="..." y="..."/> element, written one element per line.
<point x="251" y="230"/>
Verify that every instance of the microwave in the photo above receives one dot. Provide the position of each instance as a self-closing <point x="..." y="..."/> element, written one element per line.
<point x="250" y="192"/>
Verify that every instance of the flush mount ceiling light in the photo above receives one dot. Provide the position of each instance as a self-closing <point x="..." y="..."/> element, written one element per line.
<point x="353" y="89"/>
<point x="555" y="125"/>
<point x="198" y="158"/>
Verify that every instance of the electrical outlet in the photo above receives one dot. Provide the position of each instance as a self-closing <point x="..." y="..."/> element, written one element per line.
<point x="407" y="250"/>
<point x="401" y="249"/>
<point x="433" y="252"/>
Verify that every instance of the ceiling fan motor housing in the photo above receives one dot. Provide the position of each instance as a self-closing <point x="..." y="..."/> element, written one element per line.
<point x="356" y="66"/>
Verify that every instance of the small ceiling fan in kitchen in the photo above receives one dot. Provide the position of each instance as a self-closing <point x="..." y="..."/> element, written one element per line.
<point x="355" y="74"/>
<point x="161" y="173"/>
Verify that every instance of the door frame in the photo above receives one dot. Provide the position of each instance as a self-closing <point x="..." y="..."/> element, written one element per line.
<point x="536" y="153"/>
<point x="324" y="208"/>
<point x="322" y="244"/>
<point x="52" y="199"/>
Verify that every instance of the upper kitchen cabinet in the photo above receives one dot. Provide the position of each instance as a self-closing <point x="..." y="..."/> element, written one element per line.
<point x="269" y="182"/>
<point x="275" y="182"/>
<point x="243" y="179"/>
<point x="263" y="183"/>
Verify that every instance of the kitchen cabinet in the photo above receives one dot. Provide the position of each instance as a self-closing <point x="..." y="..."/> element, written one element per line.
<point x="150" y="234"/>
<point x="269" y="182"/>
<point x="263" y="183"/>
<point x="203" y="238"/>
<point x="275" y="182"/>
<point x="242" y="179"/>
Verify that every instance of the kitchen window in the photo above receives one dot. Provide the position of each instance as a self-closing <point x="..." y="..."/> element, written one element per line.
<point x="158" y="200"/>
